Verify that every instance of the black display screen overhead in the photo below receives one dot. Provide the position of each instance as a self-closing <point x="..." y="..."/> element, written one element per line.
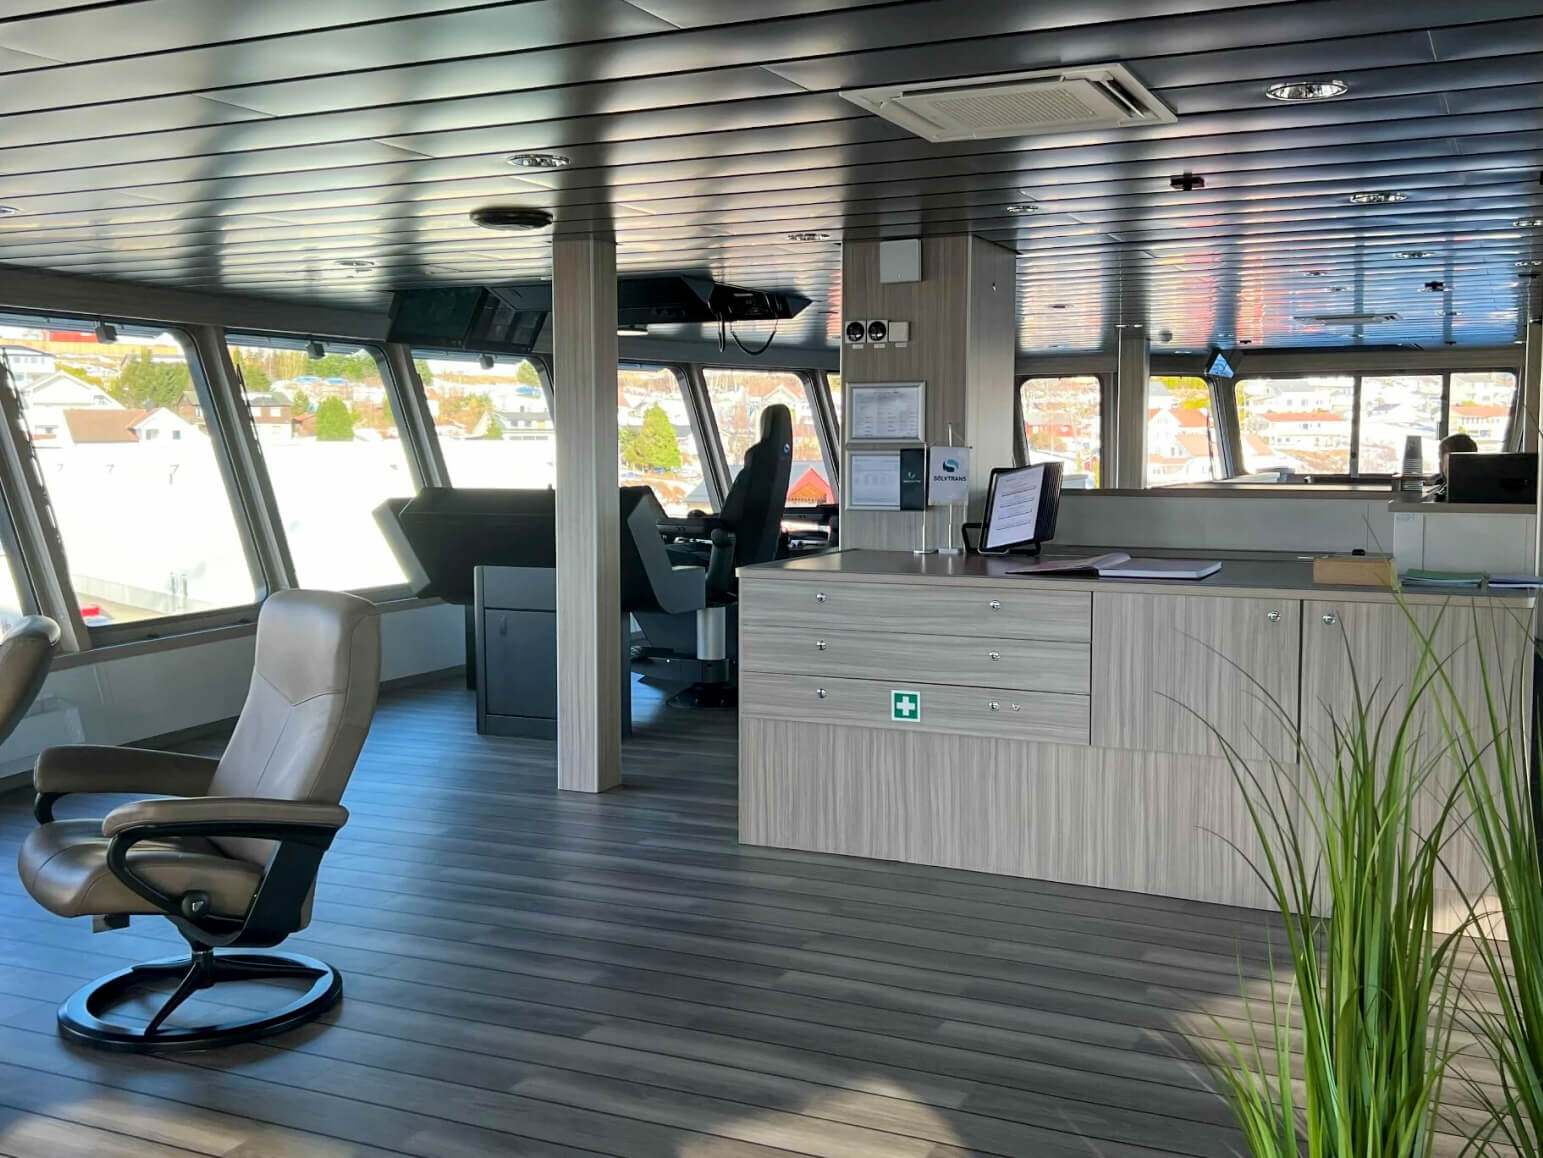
<point x="506" y="319"/>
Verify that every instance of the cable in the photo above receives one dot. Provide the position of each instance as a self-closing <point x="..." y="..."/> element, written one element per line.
<point x="746" y="349"/>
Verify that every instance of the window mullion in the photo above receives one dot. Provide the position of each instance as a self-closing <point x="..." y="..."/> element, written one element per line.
<point x="241" y="462"/>
<point x="1355" y="428"/>
<point x="704" y="425"/>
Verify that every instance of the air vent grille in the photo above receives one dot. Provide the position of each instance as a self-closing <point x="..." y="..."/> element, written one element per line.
<point x="1017" y="104"/>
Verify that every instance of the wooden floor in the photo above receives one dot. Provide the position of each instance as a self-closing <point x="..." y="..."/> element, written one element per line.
<point x="528" y="973"/>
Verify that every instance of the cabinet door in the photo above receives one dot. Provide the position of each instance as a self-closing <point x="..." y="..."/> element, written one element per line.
<point x="1168" y="668"/>
<point x="1375" y="646"/>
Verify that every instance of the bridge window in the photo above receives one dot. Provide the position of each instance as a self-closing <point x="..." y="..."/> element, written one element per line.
<point x="1061" y="423"/>
<point x="1480" y="405"/>
<point x="493" y="423"/>
<point x="1182" y="442"/>
<point x="656" y="444"/>
<point x="329" y="437"/>
<point x="1301" y="426"/>
<point x="738" y="398"/>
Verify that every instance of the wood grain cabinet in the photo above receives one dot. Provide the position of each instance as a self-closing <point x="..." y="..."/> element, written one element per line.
<point x="1169" y="668"/>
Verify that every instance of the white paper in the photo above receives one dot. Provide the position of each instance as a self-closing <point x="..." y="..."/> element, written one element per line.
<point x="874" y="484"/>
<point x="948" y="475"/>
<point x="885" y="413"/>
<point x="1015" y="508"/>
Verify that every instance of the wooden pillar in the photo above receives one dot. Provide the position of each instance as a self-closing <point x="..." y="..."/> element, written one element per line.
<point x="589" y="644"/>
<point x="961" y="313"/>
<point x="1131" y="374"/>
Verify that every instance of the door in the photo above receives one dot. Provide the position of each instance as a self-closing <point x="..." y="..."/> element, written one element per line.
<point x="1170" y="672"/>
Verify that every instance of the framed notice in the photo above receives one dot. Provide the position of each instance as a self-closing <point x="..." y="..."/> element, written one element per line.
<point x="885" y="411"/>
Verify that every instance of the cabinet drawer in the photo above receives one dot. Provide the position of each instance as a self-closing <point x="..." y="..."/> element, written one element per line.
<point x="1002" y="714"/>
<point x="960" y="609"/>
<point x="1036" y="665"/>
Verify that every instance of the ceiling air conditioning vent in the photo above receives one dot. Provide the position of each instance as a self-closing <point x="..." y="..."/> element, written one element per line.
<point x="1019" y="104"/>
<point x="1348" y="319"/>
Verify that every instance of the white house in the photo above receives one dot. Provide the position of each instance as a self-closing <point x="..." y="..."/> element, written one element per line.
<point x="1304" y="429"/>
<point x="116" y="427"/>
<point x="28" y="364"/>
<point x="1483" y="423"/>
<point x="45" y="401"/>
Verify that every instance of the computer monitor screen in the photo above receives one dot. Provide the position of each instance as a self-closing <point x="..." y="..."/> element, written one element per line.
<point x="1218" y="366"/>
<point x="1021" y="506"/>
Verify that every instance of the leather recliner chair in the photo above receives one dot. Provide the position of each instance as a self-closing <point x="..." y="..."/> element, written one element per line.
<point x="232" y="864"/>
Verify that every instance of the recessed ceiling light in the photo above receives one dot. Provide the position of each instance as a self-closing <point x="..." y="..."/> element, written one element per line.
<point x="9" y="211"/>
<point x="1450" y="314"/>
<point x="1314" y="273"/>
<point x="1058" y="305"/>
<point x="1022" y="209"/>
<point x="1307" y="90"/>
<point x="538" y="161"/>
<point x="355" y="263"/>
<point x="510" y="218"/>
<point x="1532" y="263"/>
<point x="1338" y="289"/>
<point x="1413" y="254"/>
<point x="809" y="235"/>
<point x="1519" y="223"/>
<point x="1377" y="197"/>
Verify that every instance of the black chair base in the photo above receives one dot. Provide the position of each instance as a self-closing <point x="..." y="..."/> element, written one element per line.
<point x="83" y="1016"/>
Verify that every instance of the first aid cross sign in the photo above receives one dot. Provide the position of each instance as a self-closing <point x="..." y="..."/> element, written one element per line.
<point x="905" y="706"/>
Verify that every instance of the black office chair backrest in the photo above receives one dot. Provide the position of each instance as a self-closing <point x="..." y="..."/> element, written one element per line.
<point x="26" y="651"/>
<point x="755" y="504"/>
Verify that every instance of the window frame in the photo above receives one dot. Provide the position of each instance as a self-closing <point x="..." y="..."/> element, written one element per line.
<point x="56" y="597"/>
<point x="819" y="407"/>
<point x="689" y="383"/>
<point x="1353" y="475"/>
<point x="434" y="464"/>
<point x="1107" y="385"/>
<point x="419" y="459"/>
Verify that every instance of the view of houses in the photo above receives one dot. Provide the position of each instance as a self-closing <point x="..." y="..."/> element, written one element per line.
<point x="1295" y="426"/>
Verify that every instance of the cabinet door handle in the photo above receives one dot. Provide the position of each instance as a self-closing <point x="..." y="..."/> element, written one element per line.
<point x="820" y="693"/>
<point x="995" y="605"/>
<point x="994" y="705"/>
<point x="1272" y="616"/>
<point x="1330" y="618"/>
<point x="819" y="645"/>
<point x="994" y="655"/>
<point x="819" y="597"/>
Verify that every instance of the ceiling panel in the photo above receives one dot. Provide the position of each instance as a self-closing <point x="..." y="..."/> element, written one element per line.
<point x="226" y="145"/>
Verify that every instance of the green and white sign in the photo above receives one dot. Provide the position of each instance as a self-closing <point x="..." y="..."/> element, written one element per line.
<point x="905" y="706"/>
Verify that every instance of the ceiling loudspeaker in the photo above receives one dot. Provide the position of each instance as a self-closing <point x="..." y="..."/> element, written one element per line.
<point x="510" y="218"/>
<point x="1020" y="104"/>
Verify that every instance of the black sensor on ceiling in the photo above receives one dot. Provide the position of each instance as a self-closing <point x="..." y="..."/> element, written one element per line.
<point x="510" y="218"/>
<point x="1186" y="182"/>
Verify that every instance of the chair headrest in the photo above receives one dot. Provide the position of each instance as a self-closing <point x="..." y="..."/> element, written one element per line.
<point x="306" y="642"/>
<point x="777" y="426"/>
<point x="38" y="627"/>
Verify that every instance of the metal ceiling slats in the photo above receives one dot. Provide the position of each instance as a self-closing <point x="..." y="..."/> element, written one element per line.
<point x="227" y="145"/>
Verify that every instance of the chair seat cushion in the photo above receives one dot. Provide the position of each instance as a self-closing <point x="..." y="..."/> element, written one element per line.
<point x="64" y="866"/>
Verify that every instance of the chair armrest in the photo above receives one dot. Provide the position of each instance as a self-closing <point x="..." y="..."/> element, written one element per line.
<point x="690" y="528"/>
<point x="199" y="816"/>
<point x="102" y="768"/>
<point x="302" y="832"/>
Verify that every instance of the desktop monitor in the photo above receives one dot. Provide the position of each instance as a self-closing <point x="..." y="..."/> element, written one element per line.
<point x="1021" y="507"/>
<point x="1217" y="365"/>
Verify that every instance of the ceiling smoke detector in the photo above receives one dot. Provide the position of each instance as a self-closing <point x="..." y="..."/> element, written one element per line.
<point x="538" y="160"/>
<point x="1307" y="90"/>
<point x="510" y="218"/>
<point x="1021" y="104"/>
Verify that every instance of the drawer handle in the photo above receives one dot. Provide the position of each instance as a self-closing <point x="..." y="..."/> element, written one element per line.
<point x="1330" y="618"/>
<point x="1272" y="616"/>
<point x="994" y="655"/>
<point x="995" y="605"/>
<point x="819" y="645"/>
<point x="819" y="597"/>
<point x="994" y="706"/>
<point x="820" y="692"/>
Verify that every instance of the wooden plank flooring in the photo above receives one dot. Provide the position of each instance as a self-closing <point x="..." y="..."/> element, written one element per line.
<point x="535" y="973"/>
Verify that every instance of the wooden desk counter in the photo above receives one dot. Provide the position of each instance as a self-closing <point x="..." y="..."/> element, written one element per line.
<point x="941" y="710"/>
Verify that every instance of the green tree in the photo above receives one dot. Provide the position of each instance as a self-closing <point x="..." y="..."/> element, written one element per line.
<point x="300" y="402"/>
<point x="256" y="378"/>
<point x="146" y="383"/>
<point x="655" y="445"/>
<point x="333" y="421"/>
<point x="77" y="372"/>
<point x="425" y="373"/>
<point x="526" y="375"/>
<point x="495" y="428"/>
